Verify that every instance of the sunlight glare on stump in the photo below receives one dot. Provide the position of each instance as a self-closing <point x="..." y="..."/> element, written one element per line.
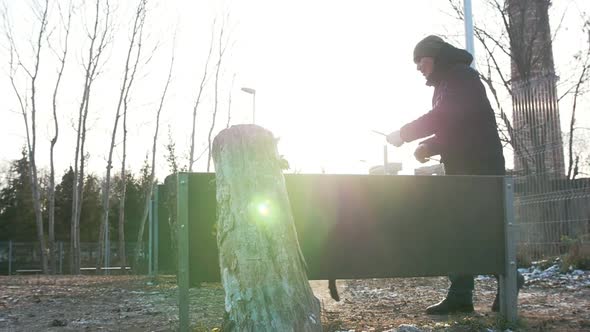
<point x="263" y="210"/>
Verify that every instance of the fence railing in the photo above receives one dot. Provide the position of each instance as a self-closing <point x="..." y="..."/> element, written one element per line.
<point x="24" y="257"/>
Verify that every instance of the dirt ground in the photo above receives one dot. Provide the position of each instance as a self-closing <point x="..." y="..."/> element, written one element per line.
<point x="132" y="303"/>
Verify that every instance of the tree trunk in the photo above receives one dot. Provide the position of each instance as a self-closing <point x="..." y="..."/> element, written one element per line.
<point x="38" y="213"/>
<point x="121" y="243"/>
<point x="262" y="268"/>
<point x="51" y="216"/>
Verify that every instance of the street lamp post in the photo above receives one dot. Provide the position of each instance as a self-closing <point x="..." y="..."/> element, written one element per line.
<point x="253" y="93"/>
<point x="469" y="29"/>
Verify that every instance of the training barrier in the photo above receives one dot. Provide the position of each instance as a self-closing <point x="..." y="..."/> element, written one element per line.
<point x="368" y="226"/>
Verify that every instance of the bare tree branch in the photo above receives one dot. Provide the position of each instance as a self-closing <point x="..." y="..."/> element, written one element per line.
<point x="150" y="188"/>
<point x="583" y="78"/>
<point x="222" y="48"/>
<point x="229" y="101"/>
<point x="199" y="94"/>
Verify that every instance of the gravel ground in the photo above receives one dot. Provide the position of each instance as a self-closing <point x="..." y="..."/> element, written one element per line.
<point x="550" y="301"/>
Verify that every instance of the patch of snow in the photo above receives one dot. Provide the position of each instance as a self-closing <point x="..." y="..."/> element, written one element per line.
<point x="571" y="279"/>
<point x="87" y="322"/>
<point x="484" y="277"/>
<point x="313" y="319"/>
<point x="408" y="328"/>
<point x="577" y="272"/>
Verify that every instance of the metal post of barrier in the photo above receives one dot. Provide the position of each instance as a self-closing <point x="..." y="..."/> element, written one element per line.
<point x="156" y="229"/>
<point x="508" y="290"/>
<point x="150" y="236"/>
<point x="10" y="257"/>
<point x="183" y="250"/>
<point x="61" y="251"/>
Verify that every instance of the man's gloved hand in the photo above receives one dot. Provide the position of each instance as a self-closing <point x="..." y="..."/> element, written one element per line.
<point x="395" y="139"/>
<point x="422" y="153"/>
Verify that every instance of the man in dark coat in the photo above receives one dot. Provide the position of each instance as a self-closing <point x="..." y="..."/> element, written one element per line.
<point x="462" y="129"/>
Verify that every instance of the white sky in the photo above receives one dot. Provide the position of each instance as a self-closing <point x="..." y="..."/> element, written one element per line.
<point x="326" y="73"/>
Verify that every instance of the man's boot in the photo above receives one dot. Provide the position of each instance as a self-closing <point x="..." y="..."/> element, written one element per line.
<point x="519" y="284"/>
<point x="453" y="303"/>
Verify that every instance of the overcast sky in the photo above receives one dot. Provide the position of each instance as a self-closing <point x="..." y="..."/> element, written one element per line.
<point x="326" y="73"/>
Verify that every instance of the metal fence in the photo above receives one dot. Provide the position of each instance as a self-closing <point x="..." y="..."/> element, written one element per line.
<point x="552" y="200"/>
<point x="24" y="257"/>
<point x="553" y="214"/>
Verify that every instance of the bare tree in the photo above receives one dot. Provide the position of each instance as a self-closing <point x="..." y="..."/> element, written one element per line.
<point x="222" y="48"/>
<point x="199" y="95"/>
<point x="61" y="56"/>
<point x="99" y="38"/>
<point x="229" y="101"/>
<point x="32" y="72"/>
<point x="123" y="193"/>
<point x="127" y="81"/>
<point x="150" y="187"/>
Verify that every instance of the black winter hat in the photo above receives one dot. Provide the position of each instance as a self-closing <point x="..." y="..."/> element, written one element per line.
<point x="429" y="46"/>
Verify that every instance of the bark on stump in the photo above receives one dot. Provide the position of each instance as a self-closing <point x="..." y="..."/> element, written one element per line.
<point x="262" y="268"/>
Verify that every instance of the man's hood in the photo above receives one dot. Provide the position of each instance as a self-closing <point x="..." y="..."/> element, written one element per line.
<point x="449" y="54"/>
<point x="447" y="57"/>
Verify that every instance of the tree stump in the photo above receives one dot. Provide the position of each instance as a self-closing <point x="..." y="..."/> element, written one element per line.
<point x="262" y="268"/>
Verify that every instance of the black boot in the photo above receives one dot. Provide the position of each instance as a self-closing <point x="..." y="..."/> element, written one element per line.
<point x="453" y="303"/>
<point x="519" y="284"/>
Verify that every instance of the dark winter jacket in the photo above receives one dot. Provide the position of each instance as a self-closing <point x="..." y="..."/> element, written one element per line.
<point x="461" y="120"/>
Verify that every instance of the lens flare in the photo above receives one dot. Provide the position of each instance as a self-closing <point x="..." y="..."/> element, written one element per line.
<point x="263" y="209"/>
